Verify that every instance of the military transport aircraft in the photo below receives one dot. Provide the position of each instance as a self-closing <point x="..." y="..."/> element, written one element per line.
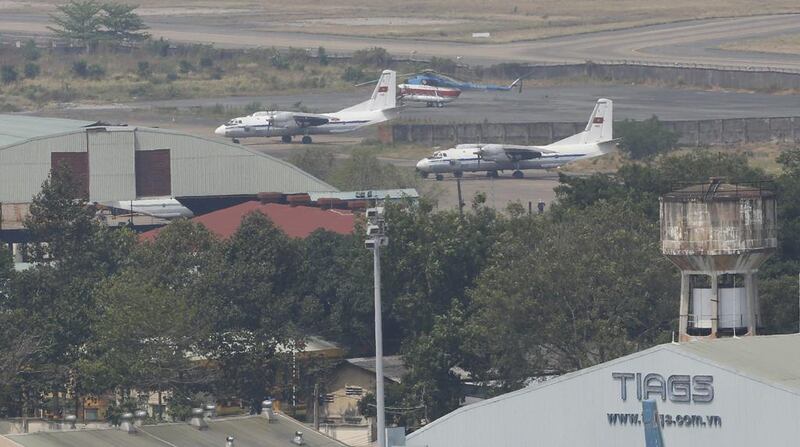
<point x="379" y="108"/>
<point x="597" y="139"/>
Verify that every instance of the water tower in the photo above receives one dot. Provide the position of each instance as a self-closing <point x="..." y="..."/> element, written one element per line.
<point x="718" y="234"/>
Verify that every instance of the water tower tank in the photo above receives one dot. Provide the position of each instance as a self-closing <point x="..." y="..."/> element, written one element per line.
<point x="718" y="234"/>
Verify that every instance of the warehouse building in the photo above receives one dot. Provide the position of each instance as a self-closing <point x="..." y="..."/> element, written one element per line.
<point x="732" y="391"/>
<point x="126" y="163"/>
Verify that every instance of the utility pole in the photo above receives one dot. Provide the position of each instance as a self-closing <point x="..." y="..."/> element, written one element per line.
<point x="460" y="201"/>
<point x="376" y="238"/>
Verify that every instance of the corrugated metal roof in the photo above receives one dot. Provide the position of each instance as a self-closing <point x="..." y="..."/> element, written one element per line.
<point x="393" y="367"/>
<point x="771" y="359"/>
<point x="17" y="128"/>
<point x="295" y="221"/>
<point x="251" y="431"/>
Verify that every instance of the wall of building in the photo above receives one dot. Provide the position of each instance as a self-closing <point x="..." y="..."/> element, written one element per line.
<point x="692" y="133"/>
<point x="198" y="166"/>
<point x="344" y="406"/>
<point x="585" y="409"/>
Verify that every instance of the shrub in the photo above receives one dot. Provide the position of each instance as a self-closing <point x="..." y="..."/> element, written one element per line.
<point x="206" y="62"/>
<point x="322" y="55"/>
<point x="185" y="66"/>
<point x="279" y="61"/>
<point x="31" y="70"/>
<point x="353" y="74"/>
<point x="80" y="68"/>
<point x="30" y="52"/>
<point x="376" y="56"/>
<point x="172" y="76"/>
<point x="96" y="71"/>
<point x="143" y="69"/>
<point x="8" y="74"/>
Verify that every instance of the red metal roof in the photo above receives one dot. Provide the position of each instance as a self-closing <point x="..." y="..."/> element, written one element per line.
<point x="295" y="221"/>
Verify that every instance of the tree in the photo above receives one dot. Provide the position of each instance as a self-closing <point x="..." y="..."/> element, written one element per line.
<point x="566" y="292"/>
<point x="121" y="24"/>
<point x="249" y="293"/>
<point x="89" y="22"/>
<point x="78" y="20"/>
<point x="645" y="139"/>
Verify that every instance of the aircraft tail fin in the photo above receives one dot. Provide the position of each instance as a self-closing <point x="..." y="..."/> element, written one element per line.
<point x="384" y="97"/>
<point x="517" y="83"/>
<point x="599" y="129"/>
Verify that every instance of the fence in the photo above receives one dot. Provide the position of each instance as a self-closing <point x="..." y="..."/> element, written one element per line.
<point x="692" y="133"/>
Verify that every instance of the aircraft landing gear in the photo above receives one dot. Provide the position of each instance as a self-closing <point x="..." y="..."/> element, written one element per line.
<point x="518" y="174"/>
<point x="492" y="174"/>
<point x="440" y="104"/>
<point x="458" y="174"/>
<point x="439" y="177"/>
<point x="306" y="139"/>
<point x="235" y="140"/>
<point x="423" y="174"/>
<point x="286" y="138"/>
<point x="428" y="104"/>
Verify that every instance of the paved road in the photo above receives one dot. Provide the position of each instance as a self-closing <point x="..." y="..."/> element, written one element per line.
<point x="534" y="104"/>
<point x="682" y="42"/>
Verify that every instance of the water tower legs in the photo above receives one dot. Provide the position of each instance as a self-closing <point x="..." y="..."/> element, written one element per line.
<point x="686" y="290"/>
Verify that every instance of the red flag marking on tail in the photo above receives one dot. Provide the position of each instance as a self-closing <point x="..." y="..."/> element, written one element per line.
<point x="384" y="88"/>
<point x="597" y="120"/>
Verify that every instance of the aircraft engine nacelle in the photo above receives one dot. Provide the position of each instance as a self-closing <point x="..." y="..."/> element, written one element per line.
<point x="492" y="152"/>
<point x="283" y="119"/>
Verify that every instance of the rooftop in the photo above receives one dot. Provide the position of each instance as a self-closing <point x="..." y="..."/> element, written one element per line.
<point x="17" y="128"/>
<point x="248" y="431"/>
<point x="295" y="221"/>
<point x="393" y="366"/>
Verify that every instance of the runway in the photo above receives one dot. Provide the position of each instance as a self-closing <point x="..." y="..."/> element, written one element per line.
<point x="686" y="42"/>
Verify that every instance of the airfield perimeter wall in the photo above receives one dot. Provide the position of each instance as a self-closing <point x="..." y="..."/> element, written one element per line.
<point x="692" y="133"/>
<point x="694" y="75"/>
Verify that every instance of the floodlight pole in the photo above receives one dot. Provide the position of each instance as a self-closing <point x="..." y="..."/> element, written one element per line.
<point x="380" y="410"/>
<point x="376" y="237"/>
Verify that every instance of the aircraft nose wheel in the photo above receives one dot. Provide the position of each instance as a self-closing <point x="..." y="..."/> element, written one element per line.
<point x="517" y="174"/>
<point x="423" y="174"/>
<point x="306" y="140"/>
<point x="235" y="140"/>
<point x="439" y="177"/>
<point x="492" y="174"/>
<point x="458" y="174"/>
<point x="286" y="138"/>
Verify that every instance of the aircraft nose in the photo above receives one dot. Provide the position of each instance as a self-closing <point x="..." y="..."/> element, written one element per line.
<point x="422" y="165"/>
<point x="220" y="130"/>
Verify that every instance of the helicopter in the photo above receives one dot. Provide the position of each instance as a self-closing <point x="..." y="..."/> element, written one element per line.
<point x="436" y="89"/>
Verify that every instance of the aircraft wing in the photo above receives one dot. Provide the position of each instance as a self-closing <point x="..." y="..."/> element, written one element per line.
<point x="505" y="152"/>
<point x="310" y="119"/>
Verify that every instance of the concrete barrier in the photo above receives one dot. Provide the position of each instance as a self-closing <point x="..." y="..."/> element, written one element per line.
<point x="692" y="133"/>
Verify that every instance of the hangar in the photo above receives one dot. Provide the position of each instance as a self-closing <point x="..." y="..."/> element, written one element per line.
<point x="731" y="391"/>
<point x="123" y="163"/>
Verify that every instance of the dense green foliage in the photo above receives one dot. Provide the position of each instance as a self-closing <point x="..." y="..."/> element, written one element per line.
<point x="498" y="299"/>
<point x="645" y="139"/>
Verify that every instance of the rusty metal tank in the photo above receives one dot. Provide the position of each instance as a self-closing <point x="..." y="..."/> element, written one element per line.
<point x="719" y="227"/>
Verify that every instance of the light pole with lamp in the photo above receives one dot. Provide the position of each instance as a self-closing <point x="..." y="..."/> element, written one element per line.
<point x="376" y="238"/>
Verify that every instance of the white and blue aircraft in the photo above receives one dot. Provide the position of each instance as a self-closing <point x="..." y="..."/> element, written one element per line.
<point x="596" y="140"/>
<point x="379" y="108"/>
